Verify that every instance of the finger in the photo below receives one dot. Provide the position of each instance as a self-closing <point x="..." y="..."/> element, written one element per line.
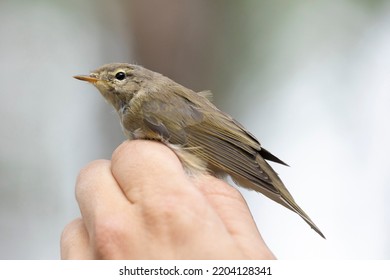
<point x="148" y="170"/>
<point x="75" y="242"/>
<point x="152" y="178"/>
<point x="99" y="196"/>
<point x="232" y="209"/>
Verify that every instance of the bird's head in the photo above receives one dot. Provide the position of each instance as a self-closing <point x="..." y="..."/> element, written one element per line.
<point x="119" y="82"/>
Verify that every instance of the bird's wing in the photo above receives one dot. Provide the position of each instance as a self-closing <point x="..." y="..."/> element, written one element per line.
<point x="168" y="116"/>
<point x="194" y="122"/>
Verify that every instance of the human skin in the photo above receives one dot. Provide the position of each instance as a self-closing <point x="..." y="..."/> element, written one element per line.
<point x="142" y="205"/>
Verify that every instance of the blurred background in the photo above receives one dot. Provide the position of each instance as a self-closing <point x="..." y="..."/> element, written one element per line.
<point x="311" y="79"/>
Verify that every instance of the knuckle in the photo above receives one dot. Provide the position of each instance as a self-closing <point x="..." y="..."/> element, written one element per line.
<point x="143" y="151"/>
<point x="88" y="175"/>
<point x="109" y="235"/>
<point x="70" y="231"/>
<point x="176" y="211"/>
<point x="213" y="186"/>
<point x="91" y="168"/>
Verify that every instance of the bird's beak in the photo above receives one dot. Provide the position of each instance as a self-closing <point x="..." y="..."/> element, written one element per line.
<point x="88" y="79"/>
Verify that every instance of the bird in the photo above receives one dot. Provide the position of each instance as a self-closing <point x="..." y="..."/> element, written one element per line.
<point x="205" y="139"/>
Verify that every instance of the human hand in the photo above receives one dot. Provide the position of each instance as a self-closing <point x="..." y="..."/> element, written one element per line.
<point x="142" y="205"/>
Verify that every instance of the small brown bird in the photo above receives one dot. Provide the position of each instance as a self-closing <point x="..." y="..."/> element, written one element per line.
<point x="205" y="139"/>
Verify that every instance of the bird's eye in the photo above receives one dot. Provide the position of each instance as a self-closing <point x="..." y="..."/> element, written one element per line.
<point x="120" y="76"/>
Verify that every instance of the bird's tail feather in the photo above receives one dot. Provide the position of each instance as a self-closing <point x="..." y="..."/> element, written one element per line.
<point x="280" y="194"/>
